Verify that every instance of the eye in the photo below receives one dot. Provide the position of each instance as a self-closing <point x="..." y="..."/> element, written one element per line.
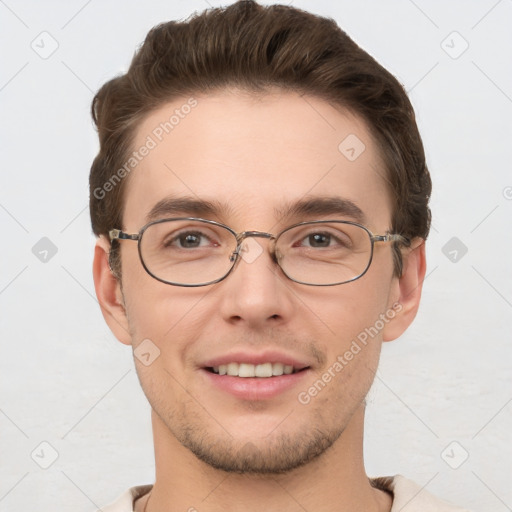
<point x="324" y="239"/>
<point x="189" y="240"/>
<point x="317" y="240"/>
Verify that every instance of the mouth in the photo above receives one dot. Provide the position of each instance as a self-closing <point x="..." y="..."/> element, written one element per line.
<point x="255" y="377"/>
<point x="251" y="376"/>
<point x="261" y="370"/>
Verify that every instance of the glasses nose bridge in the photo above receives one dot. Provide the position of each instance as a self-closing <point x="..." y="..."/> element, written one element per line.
<point x="240" y="237"/>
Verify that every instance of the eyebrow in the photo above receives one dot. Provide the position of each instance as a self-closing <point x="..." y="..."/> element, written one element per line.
<point x="319" y="205"/>
<point x="187" y="206"/>
<point x="325" y="205"/>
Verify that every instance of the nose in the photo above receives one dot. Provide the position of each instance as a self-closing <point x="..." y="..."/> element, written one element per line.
<point x="256" y="292"/>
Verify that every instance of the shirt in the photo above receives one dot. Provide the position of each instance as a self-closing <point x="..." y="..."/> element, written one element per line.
<point x="408" y="496"/>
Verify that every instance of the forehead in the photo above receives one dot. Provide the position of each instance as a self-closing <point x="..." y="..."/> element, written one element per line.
<point x="252" y="157"/>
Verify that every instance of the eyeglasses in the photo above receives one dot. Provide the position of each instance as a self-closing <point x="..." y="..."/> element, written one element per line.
<point x="189" y="251"/>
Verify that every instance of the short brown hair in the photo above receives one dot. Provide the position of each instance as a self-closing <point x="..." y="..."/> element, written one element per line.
<point x="255" y="48"/>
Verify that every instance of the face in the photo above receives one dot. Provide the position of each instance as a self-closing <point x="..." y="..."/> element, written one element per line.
<point x="252" y="158"/>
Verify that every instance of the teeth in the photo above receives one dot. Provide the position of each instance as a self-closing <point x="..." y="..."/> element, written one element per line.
<point x="262" y="370"/>
<point x="246" y="370"/>
<point x="254" y="370"/>
<point x="277" y="369"/>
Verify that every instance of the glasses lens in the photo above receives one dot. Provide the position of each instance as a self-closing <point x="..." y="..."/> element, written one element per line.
<point x="324" y="253"/>
<point x="187" y="252"/>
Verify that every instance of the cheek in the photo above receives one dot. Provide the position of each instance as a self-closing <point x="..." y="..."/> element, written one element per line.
<point x="352" y="318"/>
<point x="338" y="389"/>
<point x="349" y="309"/>
<point x="171" y="317"/>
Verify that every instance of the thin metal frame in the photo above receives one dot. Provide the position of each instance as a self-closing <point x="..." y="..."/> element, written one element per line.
<point x="117" y="234"/>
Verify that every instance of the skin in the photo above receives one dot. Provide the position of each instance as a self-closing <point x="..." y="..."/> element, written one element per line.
<point x="256" y="152"/>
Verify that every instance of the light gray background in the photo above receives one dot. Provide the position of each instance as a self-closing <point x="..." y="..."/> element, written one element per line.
<point x="66" y="381"/>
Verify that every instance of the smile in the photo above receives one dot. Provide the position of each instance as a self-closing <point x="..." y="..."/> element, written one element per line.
<point x="263" y="370"/>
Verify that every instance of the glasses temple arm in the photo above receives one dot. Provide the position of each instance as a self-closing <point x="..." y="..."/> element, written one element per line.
<point x="392" y="238"/>
<point x="117" y="234"/>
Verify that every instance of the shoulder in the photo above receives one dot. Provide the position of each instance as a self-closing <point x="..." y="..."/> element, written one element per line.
<point x="408" y="496"/>
<point x="126" y="501"/>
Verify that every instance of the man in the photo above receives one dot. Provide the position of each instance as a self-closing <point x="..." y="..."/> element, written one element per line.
<point x="261" y="204"/>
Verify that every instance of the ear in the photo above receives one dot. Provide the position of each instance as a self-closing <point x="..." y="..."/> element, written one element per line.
<point x="406" y="290"/>
<point x="108" y="291"/>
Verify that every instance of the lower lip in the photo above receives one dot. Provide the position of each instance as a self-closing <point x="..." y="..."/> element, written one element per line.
<point x="255" y="388"/>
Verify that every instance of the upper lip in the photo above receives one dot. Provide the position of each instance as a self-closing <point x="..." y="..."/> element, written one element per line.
<point x="268" y="356"/>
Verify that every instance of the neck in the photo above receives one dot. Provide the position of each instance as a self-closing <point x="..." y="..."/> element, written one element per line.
<point x="334" y="481"/>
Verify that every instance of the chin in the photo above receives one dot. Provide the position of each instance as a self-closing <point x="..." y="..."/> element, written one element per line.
<point x="269" y="455"/>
